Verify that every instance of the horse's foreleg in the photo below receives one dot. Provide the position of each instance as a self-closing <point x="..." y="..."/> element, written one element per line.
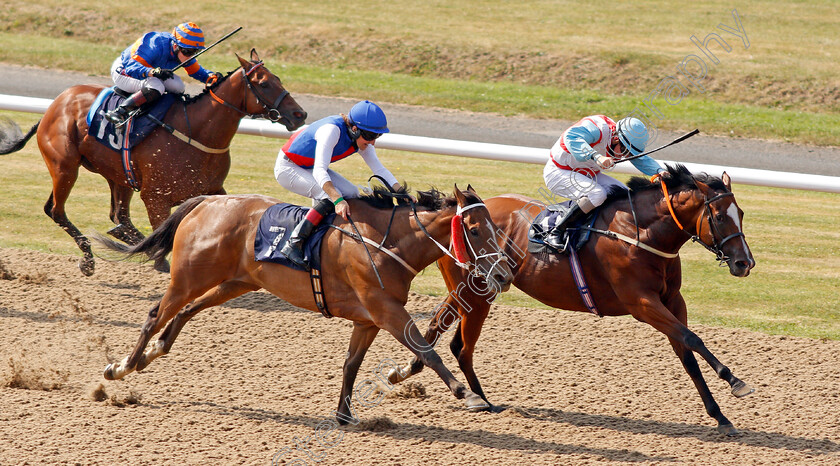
<point x="360" y="341"/>
<point x="218" y="295"/>
<point x="124" y="230"/>
<point x="671" y="321"/>
<point x="403" y="329"/>
<point x="433" y="333"/>
<point x="464" y="341"/>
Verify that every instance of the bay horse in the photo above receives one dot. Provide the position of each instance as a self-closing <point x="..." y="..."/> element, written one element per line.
<point x="212" y="243"/>
<point x="640" y="275"/>
<point x="167" y="170"/>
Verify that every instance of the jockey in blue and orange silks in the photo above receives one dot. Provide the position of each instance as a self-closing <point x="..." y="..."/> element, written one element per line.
<point x="574" y="167"/>
<point x="303" y="166"/>
<point x="145" y="68"/>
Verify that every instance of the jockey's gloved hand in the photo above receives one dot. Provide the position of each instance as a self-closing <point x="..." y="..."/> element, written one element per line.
<point x="161" y="73"/>
<point x="604" y="162"/>
<point x="212" y="77"/>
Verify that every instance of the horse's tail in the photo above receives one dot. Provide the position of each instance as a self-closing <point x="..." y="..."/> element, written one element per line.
<point x="157" y="245"/>
<point x="9" y="139"/>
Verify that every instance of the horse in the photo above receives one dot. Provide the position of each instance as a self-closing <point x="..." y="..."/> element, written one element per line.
<point x="168" y="171"/>
<point x="639" y="274"/>
<point x="220" y="230"/>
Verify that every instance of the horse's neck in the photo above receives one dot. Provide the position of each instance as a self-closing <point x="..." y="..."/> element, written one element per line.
<point x="416" y="247"/>
<point x="656" y="225"/>
<point x="212" y="123"/>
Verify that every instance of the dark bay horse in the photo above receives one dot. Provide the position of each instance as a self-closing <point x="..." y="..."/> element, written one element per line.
<point x="212" y="243"/>
<point x="623" y="278"/>
<point x="168" y="170"/>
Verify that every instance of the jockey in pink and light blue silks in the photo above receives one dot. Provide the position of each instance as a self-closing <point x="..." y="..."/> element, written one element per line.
<point x="303" y="166"/>
<point x="144" y="68"/>
<point x="574" y="167"/>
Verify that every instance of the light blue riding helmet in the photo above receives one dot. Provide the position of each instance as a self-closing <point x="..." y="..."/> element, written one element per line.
<point x="633" y="134"/>
<point x="367" y="116"/>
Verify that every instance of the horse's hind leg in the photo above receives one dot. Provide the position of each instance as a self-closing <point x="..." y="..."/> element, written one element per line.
<point x="218" y="295"/>
<point x="124" y="230"/>
<point x="63" y="160"/>
<point x="176" y="297"/>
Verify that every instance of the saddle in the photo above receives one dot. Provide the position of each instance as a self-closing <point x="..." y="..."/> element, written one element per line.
<point x="574" y="237"/>
<point x="142" y="125"/>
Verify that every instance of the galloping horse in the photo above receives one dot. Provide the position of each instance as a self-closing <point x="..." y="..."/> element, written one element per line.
<point x="212" y="243"/>
<point x="638" y="275"/>
<point x="167" y="170"/>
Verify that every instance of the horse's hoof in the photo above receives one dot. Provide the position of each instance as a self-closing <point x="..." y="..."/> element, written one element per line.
<point x="109" y="372"/>
<point x="728" y="430"/>
<point x="740" y="389"/>
<point x="475" y="402"/>
<point x="86" y="265"/>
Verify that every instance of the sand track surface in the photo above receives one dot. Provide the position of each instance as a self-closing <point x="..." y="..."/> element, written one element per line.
<point x="256" y="376"/>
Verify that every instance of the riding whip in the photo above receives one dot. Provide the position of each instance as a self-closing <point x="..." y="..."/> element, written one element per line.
<point x="679" y="139"/>
<point x="361" y="238"/>
<point x="207" y="48"/>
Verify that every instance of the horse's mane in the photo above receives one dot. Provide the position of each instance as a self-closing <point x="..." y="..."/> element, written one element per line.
<point x="434" y="200"/>
<point x="680" y="178"/>
<point x="212" y="87"/>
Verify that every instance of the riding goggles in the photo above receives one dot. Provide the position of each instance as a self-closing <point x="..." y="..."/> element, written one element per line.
<point x="187" y="52"/>
<point x="369" y="135"/>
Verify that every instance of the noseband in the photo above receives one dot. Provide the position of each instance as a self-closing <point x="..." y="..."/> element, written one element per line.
<point x="271" y="111"/>
<point x="715" y="247"/>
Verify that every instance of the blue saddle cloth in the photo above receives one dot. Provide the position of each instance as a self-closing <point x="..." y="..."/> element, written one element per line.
<point x="103" y="130"/>
<point x="276" y="226"/>
<point x="546" y="220"/>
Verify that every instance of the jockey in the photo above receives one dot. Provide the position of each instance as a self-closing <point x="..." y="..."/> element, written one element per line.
<point x="574" y="167"/>
<point x="303" y="163"/>
<point x="145" y="68"/>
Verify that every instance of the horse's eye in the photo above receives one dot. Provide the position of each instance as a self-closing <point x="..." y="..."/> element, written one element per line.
<point x="719" y="217"/>
<point x="474" y="231"/>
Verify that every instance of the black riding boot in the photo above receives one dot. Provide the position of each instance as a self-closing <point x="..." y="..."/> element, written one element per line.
<point x="555" y="236"/>
<point x="118" y="115"/>
<point x="293" y="250"/>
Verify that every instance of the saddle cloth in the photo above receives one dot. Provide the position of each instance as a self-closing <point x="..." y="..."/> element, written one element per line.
<point x="546" y="220"/>
<point x="104" y="131"/>
<point x="275" y="229"/>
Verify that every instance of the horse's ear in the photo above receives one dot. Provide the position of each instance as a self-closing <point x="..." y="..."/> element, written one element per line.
<point x="727" y="181"/>
<point x="245" y="63"/>
<point x="704" y="188"/>
<point x="470" y="189"/>
<point x="460" y="196"/>
<point x="254" y="56"/>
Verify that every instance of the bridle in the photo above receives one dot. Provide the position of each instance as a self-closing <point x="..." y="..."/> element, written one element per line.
<point x="716" y="245"/>
<point x="271" y="111"/>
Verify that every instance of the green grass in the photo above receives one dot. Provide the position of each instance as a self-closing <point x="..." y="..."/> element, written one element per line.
<point x="793" y="234"/>
<point x="545" y="59"/>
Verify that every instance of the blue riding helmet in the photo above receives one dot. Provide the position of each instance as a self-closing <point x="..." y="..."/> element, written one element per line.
<point x="188" y="36"/>
<point x="633" y="134"/>
<point x="367" y="116"/>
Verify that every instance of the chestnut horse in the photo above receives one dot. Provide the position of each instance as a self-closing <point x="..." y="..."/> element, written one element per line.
<point x="641" y="279"/>
<point x="167" y="170"/>
<point x="212" y="243"/>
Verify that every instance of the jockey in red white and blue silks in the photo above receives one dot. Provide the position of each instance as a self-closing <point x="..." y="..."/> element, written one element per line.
<point x="144" y="68"/>
<point x="593" y="144"/>
<point x="303" y="164"/>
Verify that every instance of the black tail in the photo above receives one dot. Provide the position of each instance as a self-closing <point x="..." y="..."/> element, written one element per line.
<point x="9" y="132"/>
<point x="159" y="243"/>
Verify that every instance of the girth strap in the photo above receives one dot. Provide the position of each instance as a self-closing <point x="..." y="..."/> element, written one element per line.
<point x="318" y="292"/>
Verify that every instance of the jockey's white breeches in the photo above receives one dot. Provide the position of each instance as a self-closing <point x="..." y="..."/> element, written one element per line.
<point x="577" y="185"/>
<point x="299" y="180"/>
<point x="129" y="84"/>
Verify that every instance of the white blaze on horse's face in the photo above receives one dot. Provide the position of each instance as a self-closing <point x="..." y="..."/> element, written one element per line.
<point x="732" y="211"/>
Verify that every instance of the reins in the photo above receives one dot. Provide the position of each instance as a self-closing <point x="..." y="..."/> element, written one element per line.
<point x="271" y="112"/>
<point x="716" y="246"/>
